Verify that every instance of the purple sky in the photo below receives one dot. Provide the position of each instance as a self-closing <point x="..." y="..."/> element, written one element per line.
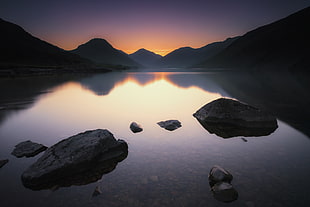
<point x="157" y="25"/>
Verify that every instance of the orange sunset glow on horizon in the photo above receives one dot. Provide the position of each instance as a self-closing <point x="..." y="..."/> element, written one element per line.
<point x="158" y="43"/>
<point x="158" y="26"/>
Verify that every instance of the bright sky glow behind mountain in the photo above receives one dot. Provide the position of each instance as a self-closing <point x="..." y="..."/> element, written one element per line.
<point x="160" y="26"/>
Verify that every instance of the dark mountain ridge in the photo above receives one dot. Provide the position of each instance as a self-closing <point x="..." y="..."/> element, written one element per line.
<point x="187" y="56"/>
<point x="281" y="45"/>
<point x="20" y="50"/>
<point x="102" y="52"/>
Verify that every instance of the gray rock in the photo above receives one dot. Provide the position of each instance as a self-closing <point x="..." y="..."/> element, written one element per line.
<point x="224" y="192"/>
<point x="77" y="160"/>
<point x="170" y="124"/>
<point x="3" y="162"/>
<point x="28" y="149"/>
<point x="229" y="118"/>
<point x="135" y="128"/>
<point x="219" y="174"/>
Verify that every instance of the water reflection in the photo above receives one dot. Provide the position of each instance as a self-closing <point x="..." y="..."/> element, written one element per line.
<point x="21" y="93"/>
<point x="105" y="83"/>
<point x="78" y="177"/>
<point x="285" y="95"/>
<point x="163" y="168"/>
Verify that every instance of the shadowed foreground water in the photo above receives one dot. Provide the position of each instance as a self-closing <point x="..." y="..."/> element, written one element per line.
<point x="163" y="168"/>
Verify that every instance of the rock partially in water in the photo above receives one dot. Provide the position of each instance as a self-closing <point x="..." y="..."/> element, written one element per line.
<point x="135" y="128"/>
<point x="28" y="149"/>
<point x="224" y="192"/>
<point x="3" y="162"/>
<point x="230" y="118"/>
<point x="170" y="124"/>
<point x="219" y="174"/>
<point x="77" y="160"/>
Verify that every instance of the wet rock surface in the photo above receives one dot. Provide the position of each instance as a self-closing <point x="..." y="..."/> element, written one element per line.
<point x="230" y="118"/>
<point x="28" y="149"/>
<point x="170" y="125"/>
<point x="220" y="183"/>
<point x="3" y="162"/>
<point x="77" y="160"/>
<point x="135" y="128"/>
<point x="219" y="174"/>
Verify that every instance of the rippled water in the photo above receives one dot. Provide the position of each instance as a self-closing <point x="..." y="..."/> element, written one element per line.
<point x="163" y="168"/>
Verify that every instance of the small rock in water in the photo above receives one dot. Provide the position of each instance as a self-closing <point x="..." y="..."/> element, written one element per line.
<point x="219" y="174"/>
<point x="170" y="124"/>
<point x="3" y="162"/>
<point x="28" y="149"/>
<point x="244" y="139"/>
<point x="135" y="128"/>
<point x="224" y="192"/>
<point x="219" y="180"/>
<point x="97" y="191"/>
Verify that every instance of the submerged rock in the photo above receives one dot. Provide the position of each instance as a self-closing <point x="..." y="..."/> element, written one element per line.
<point x="170" y="124"/>
<point x="224" y="192"/>
<point x="77" y="160"/>
<point x="3" y="162"/>
<point x="229" y="118"/>
<point x="28" y="149"/>
<point x="135" y="128"/>
<point x="220" y="183"/>
<point x="219" y="174"/>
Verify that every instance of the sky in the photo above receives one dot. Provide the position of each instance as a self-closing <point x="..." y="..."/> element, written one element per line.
<point x="157" y="25"/>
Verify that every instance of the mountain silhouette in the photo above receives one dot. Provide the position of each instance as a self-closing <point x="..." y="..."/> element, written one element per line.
<point x="145" y="57"/>
<point x="20" y="50"/>
<point x="102" y="52"/>
<point x="282" y="45"/>
<point x="187" y="56"/>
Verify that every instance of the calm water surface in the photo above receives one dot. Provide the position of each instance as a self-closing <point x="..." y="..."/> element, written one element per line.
<point x="163" y="168"/>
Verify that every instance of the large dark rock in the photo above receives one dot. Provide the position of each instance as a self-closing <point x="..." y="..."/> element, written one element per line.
<point x="135" y="128"/>
<point x="230" y="118"/>
<point x="3" y="162"/>
<point x="28" y="149"/>
<point x="170" y="124"/>
<point x="77" y="160"/>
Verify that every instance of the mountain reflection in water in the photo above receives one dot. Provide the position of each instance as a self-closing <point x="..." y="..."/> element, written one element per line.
<point x="284" y="95"/>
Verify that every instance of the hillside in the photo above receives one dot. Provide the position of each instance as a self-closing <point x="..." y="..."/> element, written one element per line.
<point x="187" y="56"/>
<point x="20" y="50"/>
<point x="145" y="57"/>
<point x="102" y="52"/>
<point x="282" y="45"/>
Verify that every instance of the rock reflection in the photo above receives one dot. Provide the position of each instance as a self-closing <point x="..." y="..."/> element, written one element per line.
<point x="94" y="173"/>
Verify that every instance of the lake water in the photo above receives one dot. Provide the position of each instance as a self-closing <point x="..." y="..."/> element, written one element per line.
<point x="163" y="168"/>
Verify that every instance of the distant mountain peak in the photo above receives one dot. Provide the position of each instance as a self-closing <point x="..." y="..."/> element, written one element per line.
<point x="143" y="51"/>
<point x="102" y="52"/>
<point x="145" y="57"/>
